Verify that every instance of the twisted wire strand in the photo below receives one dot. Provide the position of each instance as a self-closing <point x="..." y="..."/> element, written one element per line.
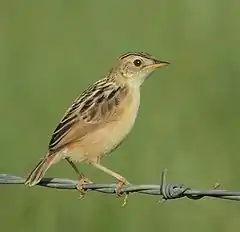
<point x="168" y="191"/>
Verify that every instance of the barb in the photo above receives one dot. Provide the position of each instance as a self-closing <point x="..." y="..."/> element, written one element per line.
<point x="166" y="190"/>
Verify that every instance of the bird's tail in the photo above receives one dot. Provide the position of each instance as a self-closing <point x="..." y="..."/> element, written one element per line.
<point x="38" y="172"/>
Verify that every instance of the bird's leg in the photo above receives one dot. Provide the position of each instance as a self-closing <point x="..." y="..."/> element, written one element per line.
<point x="121" y="180"/>
<point x="82" y="179"/>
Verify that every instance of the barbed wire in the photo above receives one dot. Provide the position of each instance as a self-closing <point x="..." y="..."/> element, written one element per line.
<point x="168" y="191"/>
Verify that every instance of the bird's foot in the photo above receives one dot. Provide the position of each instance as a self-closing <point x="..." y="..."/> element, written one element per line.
<point x="119" y="192"/>
<point x="82" y="181"/>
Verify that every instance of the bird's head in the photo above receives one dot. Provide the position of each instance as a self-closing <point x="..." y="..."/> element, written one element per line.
<point x="133" y="67"/>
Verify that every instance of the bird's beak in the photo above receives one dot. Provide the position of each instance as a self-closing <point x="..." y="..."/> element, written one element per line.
<point x="158" y="64"/>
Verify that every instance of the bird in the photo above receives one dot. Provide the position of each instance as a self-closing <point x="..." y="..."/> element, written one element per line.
<point x="100" y="119"/>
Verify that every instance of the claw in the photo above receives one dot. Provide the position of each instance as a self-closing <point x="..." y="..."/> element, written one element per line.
<point x="125" y="200"/>
<point x="119" y="186"/>
<point x="119" y="193"/>
<point x="82" y="181"/>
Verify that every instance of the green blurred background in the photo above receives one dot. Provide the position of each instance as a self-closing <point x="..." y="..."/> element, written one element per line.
<point x="189" y="118"/>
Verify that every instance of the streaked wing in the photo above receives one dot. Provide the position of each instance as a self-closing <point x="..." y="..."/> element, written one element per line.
<point x="93" y="107"/>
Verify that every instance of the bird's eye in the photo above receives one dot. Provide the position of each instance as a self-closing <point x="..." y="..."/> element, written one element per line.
<point x="137" y="62"/>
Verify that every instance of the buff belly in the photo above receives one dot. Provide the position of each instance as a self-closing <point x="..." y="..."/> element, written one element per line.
<point x="98" y="144"/>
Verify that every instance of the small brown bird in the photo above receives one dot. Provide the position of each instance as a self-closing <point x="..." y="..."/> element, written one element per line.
<point x="100" y="118"/>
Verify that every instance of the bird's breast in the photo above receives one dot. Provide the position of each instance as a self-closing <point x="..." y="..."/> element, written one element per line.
<point x="120" y="128"/>
<point x="112" y="132"/>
